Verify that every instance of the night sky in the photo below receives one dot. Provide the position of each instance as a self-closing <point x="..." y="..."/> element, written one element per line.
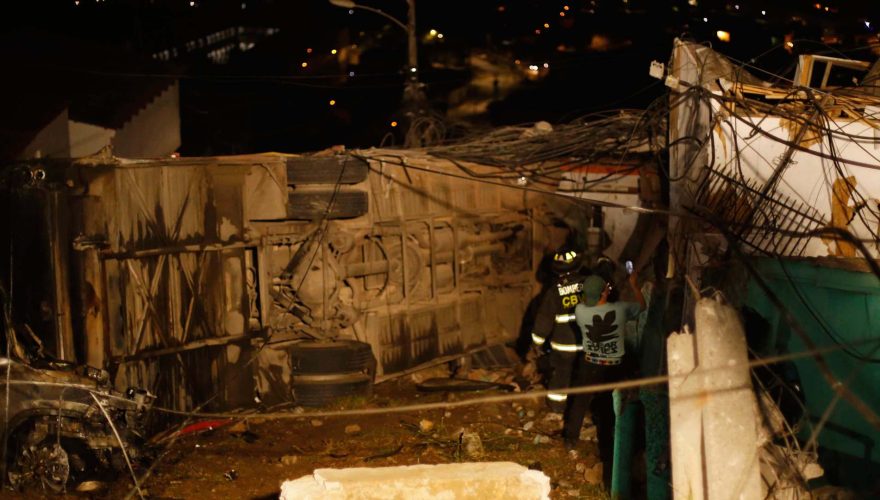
<point x="277" y="85"/>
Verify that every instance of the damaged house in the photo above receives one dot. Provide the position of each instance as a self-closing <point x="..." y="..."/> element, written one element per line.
<point x="776" y="189"/>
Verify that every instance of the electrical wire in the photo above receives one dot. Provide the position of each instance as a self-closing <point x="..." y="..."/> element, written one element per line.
<point x="813" y="353"/>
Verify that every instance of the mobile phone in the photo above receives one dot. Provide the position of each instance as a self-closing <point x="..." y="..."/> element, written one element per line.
<point x="629" y="267"/>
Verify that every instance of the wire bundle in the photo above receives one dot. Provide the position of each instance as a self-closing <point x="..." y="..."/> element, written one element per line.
<point x="540" y="152"/>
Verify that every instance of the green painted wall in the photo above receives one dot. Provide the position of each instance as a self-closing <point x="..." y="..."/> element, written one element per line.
<point x="849" y="304"/>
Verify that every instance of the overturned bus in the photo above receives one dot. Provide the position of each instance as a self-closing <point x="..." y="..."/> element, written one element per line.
<point x="268" y="279"/>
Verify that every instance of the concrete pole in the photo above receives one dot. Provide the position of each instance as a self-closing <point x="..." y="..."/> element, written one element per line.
<point x="413" y="97"/>
<point x="713" y="415"/>
<point x="412" y="49"/>
<point x="730" y="431"/>
<point x="685" y="415"/>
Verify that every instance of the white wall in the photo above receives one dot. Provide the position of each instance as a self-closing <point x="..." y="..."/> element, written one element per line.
<point x="618" y="189"/>
<point x="808" y="178"/>
<point x="51" y="142"/>
<point x="155" y="131"/>
<point x="87" y="139"/>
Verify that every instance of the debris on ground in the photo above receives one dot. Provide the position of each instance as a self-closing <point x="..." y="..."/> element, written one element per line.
<point x="593" y="475"/>
<point x="300" y="445"/>
<point x="352" y="429"/>
<point x="541" y="439"/>
<point x="472" y="444"/>
<point x="426" y="425"/>
<point x="239" y="427"/>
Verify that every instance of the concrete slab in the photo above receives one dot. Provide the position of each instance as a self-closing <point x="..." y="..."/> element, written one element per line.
<point x="472" y="480"/>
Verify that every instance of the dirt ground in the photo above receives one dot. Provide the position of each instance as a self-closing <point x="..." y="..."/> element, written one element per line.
<point x="251" y="460"/>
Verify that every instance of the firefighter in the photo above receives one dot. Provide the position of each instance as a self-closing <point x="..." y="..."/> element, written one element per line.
<point x="554" y="323"/>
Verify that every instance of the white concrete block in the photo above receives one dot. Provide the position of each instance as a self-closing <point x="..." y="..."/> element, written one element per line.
<point x="473" y="480"/>
<point x="685" y="418"/>
<point x="730" y="433"/>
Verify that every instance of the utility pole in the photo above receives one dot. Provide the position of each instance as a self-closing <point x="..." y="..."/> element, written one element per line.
<point x="411" y="34"/>
<point x="414" y="99"/>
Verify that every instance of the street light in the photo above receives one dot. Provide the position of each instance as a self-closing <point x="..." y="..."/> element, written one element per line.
<point x="409" y="27"/>
<point x="413" y="97"/>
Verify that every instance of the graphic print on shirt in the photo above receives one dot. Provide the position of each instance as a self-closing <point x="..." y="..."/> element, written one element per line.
<point x="602" y="336"/>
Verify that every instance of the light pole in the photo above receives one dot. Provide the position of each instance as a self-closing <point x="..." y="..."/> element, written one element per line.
<point x="413" y="97"/>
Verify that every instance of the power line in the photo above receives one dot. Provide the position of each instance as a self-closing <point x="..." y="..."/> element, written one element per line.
<point x="814" y="353"/>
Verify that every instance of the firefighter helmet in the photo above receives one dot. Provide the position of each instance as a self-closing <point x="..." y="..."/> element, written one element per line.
<point x="566" y="259"/>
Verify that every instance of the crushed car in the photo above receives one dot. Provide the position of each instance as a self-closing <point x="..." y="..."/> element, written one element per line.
<point x="63" y="424"/>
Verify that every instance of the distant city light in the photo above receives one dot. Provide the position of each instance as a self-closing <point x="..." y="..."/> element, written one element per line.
<point x="413" y="70"/>
<point x="76" y="2"/>
<point x="546" y="25"/>
<point x="763" y="12"/>
<point x="433" y="32"/>
<point x="332" y="102"/>
<point x="561" y="14"/>
<point x="789" y="45"/>
<point x="516" y="61"/>
<point x="333" y="52"/>
<point x="304" y="64"/>
<point x="350" y="12"/>
<point x="705" y="19"/>
<point x="818" y="6"/>
<point x="440" y="35"/>
<point x="736" y="6"/>
<point x="192" y="4"/>
<point x="351" y="73"/>
<point x="309" y="50"/>
<point x="867" y="24"/>
<point x="393" y="124"/>
<point x="175" y="154"/>
<point x="565" y="7"/>
<point x="546" y="65"/>
<point x="722" y="35"/>
<point x="533" y="67"/>
<point x="243" y="6"/>
<point x="537" y="32"/>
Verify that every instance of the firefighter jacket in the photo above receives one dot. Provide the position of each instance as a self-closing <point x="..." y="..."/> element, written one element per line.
<point x="555" y="320"/>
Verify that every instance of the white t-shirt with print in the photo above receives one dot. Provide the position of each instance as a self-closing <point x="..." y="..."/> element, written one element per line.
<point x="602" y="327"/>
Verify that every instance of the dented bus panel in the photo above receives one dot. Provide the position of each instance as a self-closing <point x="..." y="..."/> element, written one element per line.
<point x="195" y="277"/>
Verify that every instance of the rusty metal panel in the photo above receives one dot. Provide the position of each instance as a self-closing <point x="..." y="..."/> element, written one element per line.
<point x="191" y="269"/>
<point x="422" y="337"/>
<point x="265" y="191"/>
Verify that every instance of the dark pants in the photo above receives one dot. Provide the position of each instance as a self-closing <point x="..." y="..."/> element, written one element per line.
<point x="599" y="404"/>
<point x="563" y="360"/>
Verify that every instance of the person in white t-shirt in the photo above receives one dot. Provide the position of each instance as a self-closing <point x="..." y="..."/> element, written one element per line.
<point x="602" y="324"/>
